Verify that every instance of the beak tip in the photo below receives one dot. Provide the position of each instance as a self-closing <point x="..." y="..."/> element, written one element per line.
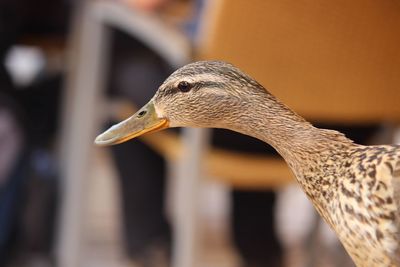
<point x="101" y="141"/>
<point x="97" y="142"/>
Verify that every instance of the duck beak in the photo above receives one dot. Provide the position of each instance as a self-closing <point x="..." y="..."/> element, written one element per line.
<point x="144" y="121"/>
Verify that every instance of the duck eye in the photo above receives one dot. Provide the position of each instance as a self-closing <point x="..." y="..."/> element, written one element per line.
<point x="184" y="86"/>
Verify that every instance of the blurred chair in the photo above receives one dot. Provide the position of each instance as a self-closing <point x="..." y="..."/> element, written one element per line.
<point x="335" y="62"/>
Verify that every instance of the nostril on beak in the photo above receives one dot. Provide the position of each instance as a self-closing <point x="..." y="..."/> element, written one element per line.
<point x="141" y="113"/>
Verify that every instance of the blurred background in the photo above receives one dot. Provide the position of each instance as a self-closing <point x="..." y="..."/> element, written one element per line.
<point x="181" y="198"/>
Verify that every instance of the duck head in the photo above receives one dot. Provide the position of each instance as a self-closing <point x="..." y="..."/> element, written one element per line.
<point x="201" y="94"/>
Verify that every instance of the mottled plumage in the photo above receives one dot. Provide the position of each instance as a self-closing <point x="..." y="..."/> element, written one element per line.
<point x="355" y="188"/>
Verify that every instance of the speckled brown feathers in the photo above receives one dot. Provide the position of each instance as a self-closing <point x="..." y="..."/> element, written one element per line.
<point x="355" y="188"/>
<point x="357" y="198"/>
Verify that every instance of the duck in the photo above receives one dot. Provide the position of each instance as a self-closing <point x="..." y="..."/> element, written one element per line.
<point x="355" y="188"/>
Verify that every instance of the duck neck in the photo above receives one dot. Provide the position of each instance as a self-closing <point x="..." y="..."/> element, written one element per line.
<point x="303" y="146"/>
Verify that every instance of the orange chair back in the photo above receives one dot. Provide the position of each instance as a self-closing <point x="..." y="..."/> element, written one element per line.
<point x="331" y="61"/>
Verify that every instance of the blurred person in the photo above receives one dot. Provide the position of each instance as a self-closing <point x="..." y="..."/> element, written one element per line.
<point x="136" y="73"/>
<point x="28" y="124"/>
<point x="12" y="173"/>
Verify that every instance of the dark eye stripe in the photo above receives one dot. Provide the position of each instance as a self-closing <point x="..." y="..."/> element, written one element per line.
<point x="210" y="84"/>
<point x="170" y="90"/>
